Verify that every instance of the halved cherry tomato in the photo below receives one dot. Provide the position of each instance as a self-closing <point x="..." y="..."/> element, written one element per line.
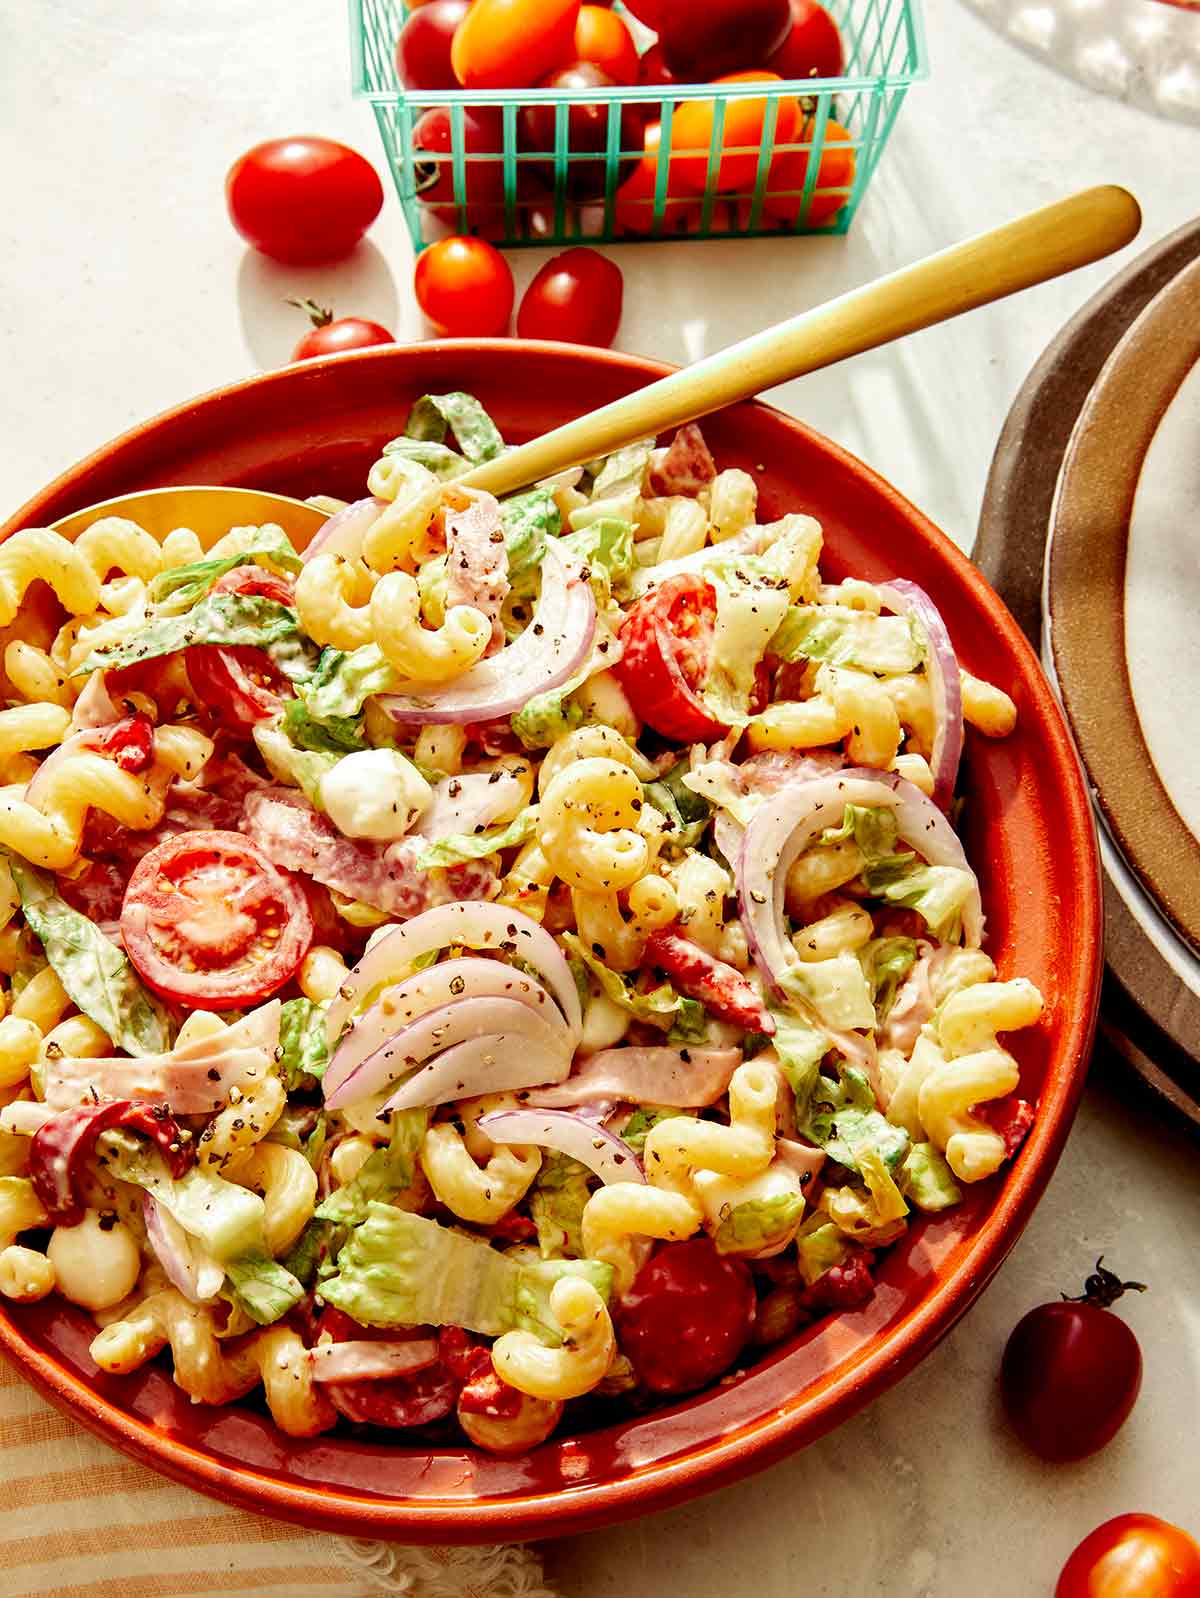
<point x="330" y="337"/>
<point x="255" y="580"/>
<point x="783" y="198"/>
<point x="417" y="1400"/>
<point x="465" y="287"/>
<point x="668" y="638"/>
<point x="423" y="48"/>
<point x="704" y="41"/>
<point x="634" y="203"/>
<point x="813" y="47"/>
<point x="510" y="44"/>
<point x="575" y="297"/>
<point x="239" y="684"/>
<point x="693" y="133"/>
<point x="209" y="922"/>
<point x="303" y="200"/>
<point x="602" y="38"/>
<point x="1133" y="1556"/>
<point x="687" y="1316"/>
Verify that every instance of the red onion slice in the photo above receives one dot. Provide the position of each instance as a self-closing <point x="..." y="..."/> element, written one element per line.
<point x="679" y="1078"/>
<point x="440" y="1029"/>
<point x="796" y="816"/>
<point x="189" y="1267"/>
<point x="497" y="1063"/>
<point x="476" y="925"/>
<point x="566" y="1133"/>
<point x="367" y="1361"/>
<point x="344" y="532"/>
<point x="471" y="803"/>
<point x="945" y="684"/>
<point x="552" y="647"/>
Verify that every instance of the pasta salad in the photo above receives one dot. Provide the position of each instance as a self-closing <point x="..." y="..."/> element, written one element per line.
<point x="507" y="955"/>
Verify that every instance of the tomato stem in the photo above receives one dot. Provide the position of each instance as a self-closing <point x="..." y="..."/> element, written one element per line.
<point x="318" y="315"/>
<point x="1103" y="1288"/>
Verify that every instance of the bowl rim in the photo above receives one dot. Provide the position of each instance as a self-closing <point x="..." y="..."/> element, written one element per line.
<point x="712" y="1463"/>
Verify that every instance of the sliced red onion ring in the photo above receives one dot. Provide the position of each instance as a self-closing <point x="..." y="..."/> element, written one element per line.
<point x="439" y="984"/>
<point x="796" y="816"/>
<point x="344" y="532"/>
<point x="470" y="803"/>
<point x="567" y="1133"/>
<point x="476" y="925"/>
<point x="497" y="1063"/>
<point x="551" y="648"/>
<point x="189" y="1267"/>
<point x="680" y="1078"/>
<point x="436" y="1030"/>
<point x="907" y="599"/>
<point x="366" y="1361"/>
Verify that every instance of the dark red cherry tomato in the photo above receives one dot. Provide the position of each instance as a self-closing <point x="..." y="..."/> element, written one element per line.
<point x="303" y="200"/>
<point x="423" y="48"/>
<point x="721" y="36"/>
<point x="575" y="297"/>
<point x="1071" y="1371"/>
<point x="330" y="337"/>
<point x="647" y="11"/>
<point x="813" y="46"/>
<point x="668" y="639"/>
<point x="1133" y="1556"/>
<point x="687" y="1317"/>
<point x="653" y="69"/>
<point x="587" y="129"/>
<point x="483" y="181"/>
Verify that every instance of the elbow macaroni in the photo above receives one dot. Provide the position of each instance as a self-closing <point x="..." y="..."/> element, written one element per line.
<point x="424" y="654"/>
<point x="575" y="1368"/>
<point x="590" y="815"/>
<point x="474" y="1193"/>
<point x="326" y="590"/>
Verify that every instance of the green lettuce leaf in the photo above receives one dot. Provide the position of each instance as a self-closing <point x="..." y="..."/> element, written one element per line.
<point x="616" y="485"/>
<point x="298" y="768"/>
<point x="800" y="1048"/>
<point x="687" y="813"/>
<point x="837" y="636"/>
<point x="819" y="1247"/>
<point x="172" y="592"/>
<point x="836" y="988"/>
<point x="556" y="1202"/>
<point x="549" y="716"/>
<point x="843" y="1118"/>
<point x="927" y="1181"/>
<point x="439" y="459"/>
<point x="749" y="610"/>
<point x="310" y="1250"/>
<point x="658" y="1007"/>
<point x="475" y="433"/>
<point x="237" y="620"/>
<point x="691" y="1022"/>
<point x="95" y="973"/>
<point x="303" y="1050"/>
<point x="342" y="683"/>
<point x="337" y="735"/>
<point x="528" y="519"/>
<point x="757" y="1223"/>
<point x="643" y="1119"/>
<point x="387" y="1172"/>
<point x="265" y="1289"/>
<point x="605" y="547"/>
<point x="460" y="846"/>
<point x="936" y="893"/>
<point x="886" y="962"/>
<point x="873" y="828"/>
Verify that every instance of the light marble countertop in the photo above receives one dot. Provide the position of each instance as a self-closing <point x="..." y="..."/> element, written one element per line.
<point x="123" y="291"/>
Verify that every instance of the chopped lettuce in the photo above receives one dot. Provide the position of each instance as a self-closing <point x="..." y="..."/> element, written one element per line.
<point x="837" y="990"/>
<point x="95" y="973"/>
<point x="886" y="962"/>
<point x="819" y="1247"/>
<point x="460" y="846"/>
<point x="838" y="636"/>
<point x="298" y="768"/>
<point x="475" y="433"/>
<point x="843" y="1118"/>
<point x="334" y="696"/>
<point x="172" y="592"/>
<point x="756" y="1224"/>
<point x="236" y="620"/>
<point x="749" y="610"/>
<point x="690" y="1024"/>
<point x="337" y="735"/>
<point x="936" y="893"/>
<point x="616" y="485"/>
<point x="644" y="1117"/>
<point x="263" y="1288"/>
<point x="927" y="1181"/>
<point x="439" y="459"/>
<point x="873" y="828"/>
<point x="556" y="1202"/>
<point x="550" y="716"/>
<point x="528" y="519"/>
<point x="659" y="1007"/>
<point x="303" y="1050"/>
<point x="800" y="1048"/>
<point x="400" y="1269"/>
<point x="687" y="812"/>
<point x="310" y="1251"/>
<point x="605" y="547"/>
<point x="386" y="1173"/>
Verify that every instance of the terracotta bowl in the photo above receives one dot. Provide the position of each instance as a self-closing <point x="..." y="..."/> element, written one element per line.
<point x="316" y="428"/>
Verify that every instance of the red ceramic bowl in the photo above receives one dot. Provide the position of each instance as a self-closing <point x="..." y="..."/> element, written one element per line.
<point x="316" y="428"/>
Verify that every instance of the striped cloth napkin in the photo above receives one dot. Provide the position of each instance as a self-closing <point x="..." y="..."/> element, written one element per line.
<point x="84" y="1522"/>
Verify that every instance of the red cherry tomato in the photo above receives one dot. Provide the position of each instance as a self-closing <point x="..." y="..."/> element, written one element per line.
<point x="423" y="48"/>
<point x="510" y="44"/>
<point x="253" y="579"/>
<point x="783" y="198"/>
<point x="692" y="134"/>
<point x="602" y="38"/>
<point x="465" y="287"/>
<point x="813" y="46"/>
<point x="1071" y="1372"/>
<point x="210" y="923"/>
<point x="668" y="639"/>
<point x="241" y="685"/>
<point x="575" y="297"/>
<point x="687" y="1317"/>
<point x="653" y="69"/>
<point x="483" y="183"/>
<point x="720" y="36"/>
<point x="634" y="205"/>
<point x="327" y="337"/>
<point x="647" y="11"/>
<point x="417" y="1400"/>
<point x="303" y="200"/>
<point x="1133" y="1556"/>
<point x="587" y="129"/>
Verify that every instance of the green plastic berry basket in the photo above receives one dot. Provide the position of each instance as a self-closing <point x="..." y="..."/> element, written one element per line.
<point x="467" y="161"/>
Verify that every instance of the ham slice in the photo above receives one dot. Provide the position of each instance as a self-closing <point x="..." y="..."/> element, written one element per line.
<point x="685" y="466"/>
<point x="477" y="560"/>
<point x="680" y="1078"/>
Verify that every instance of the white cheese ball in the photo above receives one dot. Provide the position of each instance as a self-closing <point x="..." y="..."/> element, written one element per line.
<point x="97" y="1263"/>
<point x="375" y="794"/>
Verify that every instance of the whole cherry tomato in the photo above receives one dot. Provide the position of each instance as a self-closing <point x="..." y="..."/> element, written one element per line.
<point x="587" y="129"/>
<point x="423" y="48"/>
<point x="575" y="297"/>
<point x="483" y="181"/>
<point x="692" y="134"/>
<point x="635" y="200"/>
<point x="1071" y="1371"/>
<point x="602" y="38"/>
<point x="783" y="198"/>
<point x="668" y="639"/>
<point x="812" y="48"/>
<point x="720" y="36"/>
<point x="302" y="200"/>
<point x="465" y="287"/>
<point x="327" y="337"/>
<point x="510" y="44"/>
<point x="1133" y="1556"/>
<point x="687" y="1317"/>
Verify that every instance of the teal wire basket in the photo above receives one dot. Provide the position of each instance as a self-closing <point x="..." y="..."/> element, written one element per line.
<point x="470" y="162"/>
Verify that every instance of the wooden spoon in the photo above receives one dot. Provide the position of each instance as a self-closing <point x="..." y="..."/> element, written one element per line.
<point x="1042" y="245"/>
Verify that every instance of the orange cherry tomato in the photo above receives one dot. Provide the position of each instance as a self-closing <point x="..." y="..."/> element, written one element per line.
<point x="784" y="193"/>
<point x="602" y="38"/>
<point x="511" y="44"/>
<point x="693" y="132"/>
<point x="465" y="287"/>
<point x="1133" y="1556"/>
<point x="633" y="207"/>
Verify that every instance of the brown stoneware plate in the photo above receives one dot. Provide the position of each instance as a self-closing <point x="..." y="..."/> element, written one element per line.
<point x="1029" y="832"/>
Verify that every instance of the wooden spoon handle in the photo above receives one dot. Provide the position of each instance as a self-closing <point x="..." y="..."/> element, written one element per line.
<point x="1042" y="245"/>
